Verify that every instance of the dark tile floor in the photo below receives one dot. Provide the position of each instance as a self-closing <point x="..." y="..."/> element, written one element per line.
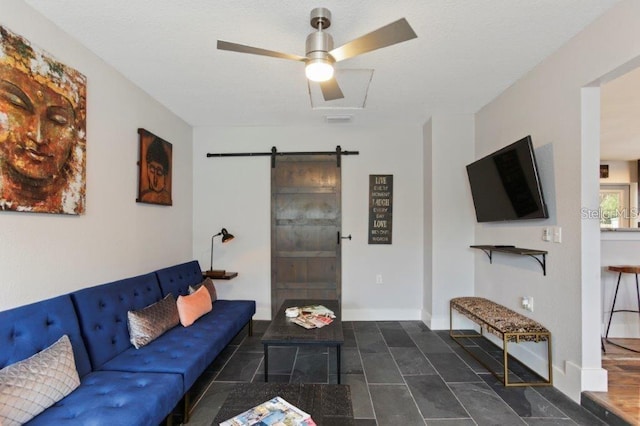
<point x="400" y="373"/>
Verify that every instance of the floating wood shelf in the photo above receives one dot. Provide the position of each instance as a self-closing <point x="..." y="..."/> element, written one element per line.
<point x="219" y="275"/>
<point x="539" y="255"/>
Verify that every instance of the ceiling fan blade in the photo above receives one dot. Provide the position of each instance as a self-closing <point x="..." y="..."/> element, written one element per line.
<point x="241" y="48"/>
<point x="393" y="33"/>
<point x="330" y="90"/>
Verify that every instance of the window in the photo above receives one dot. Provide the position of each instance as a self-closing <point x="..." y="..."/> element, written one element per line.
<point x="614" y="206"/>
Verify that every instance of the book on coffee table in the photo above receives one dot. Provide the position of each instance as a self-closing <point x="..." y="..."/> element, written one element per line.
<point x="276" y="411"/>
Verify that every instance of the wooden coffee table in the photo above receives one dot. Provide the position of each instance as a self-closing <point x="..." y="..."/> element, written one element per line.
<point x="282" y="332"/>
<point x="327" y="404"/>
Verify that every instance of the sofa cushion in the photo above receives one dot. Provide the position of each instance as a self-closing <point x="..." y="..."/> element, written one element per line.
<point x="193" y="306"/>
<point x="102" y="311"/>
<point x="150" y="322"/>
<point x="188" y="351"/>
<point x="177" y="279"/>
<point x="29" y="329"/>
<point x="32" y="385"/>
<point x="107" y="398"/>
<point x="208" y="284"/>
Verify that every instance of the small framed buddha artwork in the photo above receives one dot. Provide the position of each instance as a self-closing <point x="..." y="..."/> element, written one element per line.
<point x="155" y="166"/>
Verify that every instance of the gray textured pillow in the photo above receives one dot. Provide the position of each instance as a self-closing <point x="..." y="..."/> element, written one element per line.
<point x="208" y="283"/>
<point x="30" y="386"/>
<point x="149" y="323"/>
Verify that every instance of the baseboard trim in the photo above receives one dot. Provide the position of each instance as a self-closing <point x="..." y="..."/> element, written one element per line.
<point x="574" y="379"/>
<point x="623" y="330"/>
<point x="359" y="314"/>
<point x="262" y="314"/>
<point x="380" y="314"/>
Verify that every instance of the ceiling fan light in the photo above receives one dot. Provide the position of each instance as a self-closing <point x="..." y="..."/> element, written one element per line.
<point x="319" y="70"/>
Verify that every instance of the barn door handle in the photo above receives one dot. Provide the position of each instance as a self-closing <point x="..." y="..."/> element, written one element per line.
<point x="348" y="237"/>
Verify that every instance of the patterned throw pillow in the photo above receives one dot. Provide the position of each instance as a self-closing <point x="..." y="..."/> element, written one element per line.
<point x="151" y="322"/>
<point x="208" y="284"/>
<point x="32" y="385"/>
<point x="193" y="306"/>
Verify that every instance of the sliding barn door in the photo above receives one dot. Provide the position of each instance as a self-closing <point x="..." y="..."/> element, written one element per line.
<point x="305" y="224"/>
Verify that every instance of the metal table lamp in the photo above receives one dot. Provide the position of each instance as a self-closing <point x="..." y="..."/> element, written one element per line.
<point x="226" y="237"/>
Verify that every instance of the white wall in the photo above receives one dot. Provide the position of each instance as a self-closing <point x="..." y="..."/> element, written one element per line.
<point x="45" y="255"/>
<point x="449" y="215"/>
<point x="620" y="171"/>
<point x="234" y="193"/>
<point x="547" y="104"/>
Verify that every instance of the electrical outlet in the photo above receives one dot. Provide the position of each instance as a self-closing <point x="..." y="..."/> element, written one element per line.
<point x="379" y="279"/>
<point x="546" y="234"/>
<point x="527" y="303"/>
<point x="557" y="234"/>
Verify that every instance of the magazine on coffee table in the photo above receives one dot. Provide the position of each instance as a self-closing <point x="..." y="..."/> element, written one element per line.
<point x="303" y="322"/>
<point x="313" y="316"/>
<point x="276" y="411"/>
<point x="318" y="310"/>
<point x="311" y="321"/>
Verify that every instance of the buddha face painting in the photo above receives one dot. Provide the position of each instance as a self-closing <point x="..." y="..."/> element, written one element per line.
<point x="42" y="128"/>
<point x="37" y="128"/>
<point x="155" y="169"/>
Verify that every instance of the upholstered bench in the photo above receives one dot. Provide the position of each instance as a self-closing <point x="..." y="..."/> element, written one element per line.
<point x="507" y="325"/>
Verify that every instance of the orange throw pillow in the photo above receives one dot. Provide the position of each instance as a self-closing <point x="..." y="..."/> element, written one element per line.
<point x="193" y="306"/>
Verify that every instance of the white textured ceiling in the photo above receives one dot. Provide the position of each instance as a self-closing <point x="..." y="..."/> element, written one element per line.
<point x="466" y="53"/>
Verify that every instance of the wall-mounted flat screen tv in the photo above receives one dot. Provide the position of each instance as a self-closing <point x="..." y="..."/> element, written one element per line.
<point x="505" y="184"/>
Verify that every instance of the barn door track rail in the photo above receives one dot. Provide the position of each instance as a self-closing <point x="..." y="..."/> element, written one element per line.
<point x="274" y="152"/>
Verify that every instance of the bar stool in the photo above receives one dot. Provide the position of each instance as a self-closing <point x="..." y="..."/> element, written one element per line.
<point x="623" y="269"/>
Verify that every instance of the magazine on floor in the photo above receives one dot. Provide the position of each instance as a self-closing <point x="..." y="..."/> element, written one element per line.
<point x="276" y="411"/>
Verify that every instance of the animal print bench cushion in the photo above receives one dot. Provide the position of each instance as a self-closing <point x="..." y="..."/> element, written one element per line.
<point x="498" y="318"/>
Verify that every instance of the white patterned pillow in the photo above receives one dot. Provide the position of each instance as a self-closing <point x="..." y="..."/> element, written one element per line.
<point x="30" y="386"/>
<point x="151" y="322"/>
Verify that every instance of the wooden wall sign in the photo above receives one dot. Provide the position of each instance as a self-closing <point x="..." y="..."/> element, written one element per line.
<point x="380" y="209"/>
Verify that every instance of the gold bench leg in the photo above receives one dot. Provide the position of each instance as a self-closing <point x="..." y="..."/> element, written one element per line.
<point x="505" y="357"/>
<point x="543" y="382"/>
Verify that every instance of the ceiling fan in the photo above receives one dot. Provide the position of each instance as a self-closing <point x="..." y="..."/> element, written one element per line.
<point x="320" y="54"/>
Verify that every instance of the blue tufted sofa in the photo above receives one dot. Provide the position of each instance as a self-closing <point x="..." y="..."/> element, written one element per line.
<point x="120" y="384"/>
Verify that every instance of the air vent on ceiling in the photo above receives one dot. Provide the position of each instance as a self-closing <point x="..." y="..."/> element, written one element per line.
<point x="333" y="119"/>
